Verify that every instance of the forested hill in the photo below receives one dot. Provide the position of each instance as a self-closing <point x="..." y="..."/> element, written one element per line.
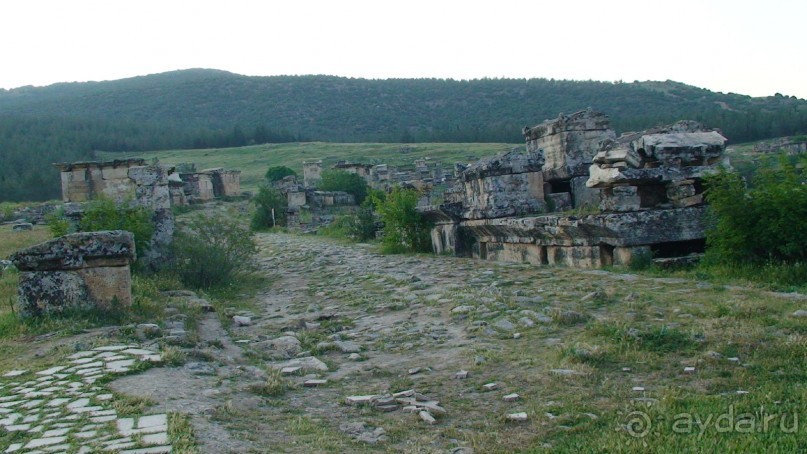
<point x="203" y="108"/>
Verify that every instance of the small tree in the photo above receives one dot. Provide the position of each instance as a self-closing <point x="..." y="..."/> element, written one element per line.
<point x="761" y="224"/>
<point x="405" y="230"/>
<point x="269" y="199"/>
<point x="277" y="173"/>
<point x="339" y="180"/>
<point x="105" y="214"/>
<point x="212" y="251"/>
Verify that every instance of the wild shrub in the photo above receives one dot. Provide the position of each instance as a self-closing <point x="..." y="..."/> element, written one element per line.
<point x="105" y="214"/>
<point x="211" y="251"/>
<point x="339" y="180"/>
<point x="277" y="173"/>
<point x="760" y="224"/>
<point x="269" y="199"/>
<point x="405" y="230"/>
<point x="57" y="223"/>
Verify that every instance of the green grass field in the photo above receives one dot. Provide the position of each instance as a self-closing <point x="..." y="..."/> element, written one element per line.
<point x="254" y="160"/>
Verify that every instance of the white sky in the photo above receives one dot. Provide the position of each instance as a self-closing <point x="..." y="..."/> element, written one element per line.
<point x="752" y="47"/>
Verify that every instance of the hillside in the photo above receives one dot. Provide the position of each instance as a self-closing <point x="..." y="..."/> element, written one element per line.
<point x="203" y="108"/>
<point x="340" y="109"/>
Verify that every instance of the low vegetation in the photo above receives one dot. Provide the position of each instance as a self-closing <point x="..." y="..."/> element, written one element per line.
<point x="270" y="209"/>
<point x="339" y="180"/>
<point x="405" y="230"/>
<point x="212" y="251"/>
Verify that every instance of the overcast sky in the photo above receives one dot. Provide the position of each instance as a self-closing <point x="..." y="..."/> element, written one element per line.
<point x="752" y="47"/>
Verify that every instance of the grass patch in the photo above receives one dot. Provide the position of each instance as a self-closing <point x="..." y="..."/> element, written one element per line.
<point x="275" y="385"/>
<point x="180" y="433"/>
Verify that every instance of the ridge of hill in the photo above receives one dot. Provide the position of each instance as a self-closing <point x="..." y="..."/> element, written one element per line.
<point x="204" y="108"/>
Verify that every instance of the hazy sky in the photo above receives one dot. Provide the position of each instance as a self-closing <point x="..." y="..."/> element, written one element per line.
<point x="751" y="47"/>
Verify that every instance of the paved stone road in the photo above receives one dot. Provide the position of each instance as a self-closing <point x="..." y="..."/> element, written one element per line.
<point x="62" y="409"/>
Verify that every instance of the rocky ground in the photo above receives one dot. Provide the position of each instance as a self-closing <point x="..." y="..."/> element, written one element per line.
<point x="352" y="351"/>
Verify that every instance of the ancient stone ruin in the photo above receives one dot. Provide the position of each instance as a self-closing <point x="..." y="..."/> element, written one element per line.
<point x="80" y="271"/>
<point x="579" y="196"/>
<point x="124" y="179"/>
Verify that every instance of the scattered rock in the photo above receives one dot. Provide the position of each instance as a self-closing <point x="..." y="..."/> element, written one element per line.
<point x="517" y="417"/>
<point x="361" y="400"/>
<point x="148" y="331"/>
<point x="461" y="375"/>
<point x="307" y="363"/>
<point x="511" y="397"/>
<point x="290" y="370"/>
<point x="504" y="325"/>
<point x="427" y="417"/>
<point x="347" y="346"/>
<point x="801" y="313"/>
<point x="314" y="383"/>
<point x="363" y="433"/>
<point x="202" y="303"/>
<point x="462" y="309"/>
<point x="241" y="320"/>
<point x="566" y="372"/>
<point x="490" y="386"/>
<point x="22" y="227"/>
<point x="283" y="347"/>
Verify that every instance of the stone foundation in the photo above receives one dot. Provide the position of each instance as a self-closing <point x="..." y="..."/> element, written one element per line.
<point x="81" y="271"/>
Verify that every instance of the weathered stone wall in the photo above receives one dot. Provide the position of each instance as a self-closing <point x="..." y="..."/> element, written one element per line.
<point x="83" y="181"/>
<point x="230" y="183"/>
<point x="312" y="173"/>
<point x="568" y="143"/>
<point x="198" y="187"/>
<point x="295" y="199"/>
<point x="81" y="271"/>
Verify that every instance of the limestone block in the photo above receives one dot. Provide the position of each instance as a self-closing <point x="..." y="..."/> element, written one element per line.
<point x="89" y="270"/>
<point x="582" y="195"/>
<point x="114" y="173"/>
<point x="77" y="251"/>
<point x="575" y="256"/>
<point x="295" y="199"/>
<point x="516" y="253"/>
<point x="621" y="199"/>
<point x="561" y="201"/>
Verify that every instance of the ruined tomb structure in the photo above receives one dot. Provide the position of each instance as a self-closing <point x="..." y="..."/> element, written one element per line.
<point x="647" y="187"/>
<point x="127" y="181"/>
<point x="80" y="271"/>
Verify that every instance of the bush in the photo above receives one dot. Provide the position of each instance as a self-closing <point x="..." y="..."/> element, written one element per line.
<point x="277" y="173"/>
<point x="339" y="180"/>
<point x="405" y="230"/>
<point x="358" y="226"/>
<point x="105" y="214"/>
<point x="758" y="225"/>
<point x="212" y="251"/>
<point x="58" y="225"/>
<point x="269" y="199"/>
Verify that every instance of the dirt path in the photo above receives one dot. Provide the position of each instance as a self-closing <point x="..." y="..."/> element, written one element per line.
<point x="383" y="324"/>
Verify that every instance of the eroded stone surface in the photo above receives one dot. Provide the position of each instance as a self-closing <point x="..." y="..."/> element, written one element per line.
<point x="68" y="394"/>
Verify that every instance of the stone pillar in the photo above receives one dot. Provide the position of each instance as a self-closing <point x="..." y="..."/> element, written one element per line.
<point x="80" y="271"/>
<point x="312" y="173"/>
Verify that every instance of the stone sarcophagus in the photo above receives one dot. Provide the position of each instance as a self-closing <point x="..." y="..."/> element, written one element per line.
<point x="640" y="194"/>
<point x="76" y="272"/>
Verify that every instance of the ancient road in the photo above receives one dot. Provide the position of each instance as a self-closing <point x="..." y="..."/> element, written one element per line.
<point x="475" y="345"/>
